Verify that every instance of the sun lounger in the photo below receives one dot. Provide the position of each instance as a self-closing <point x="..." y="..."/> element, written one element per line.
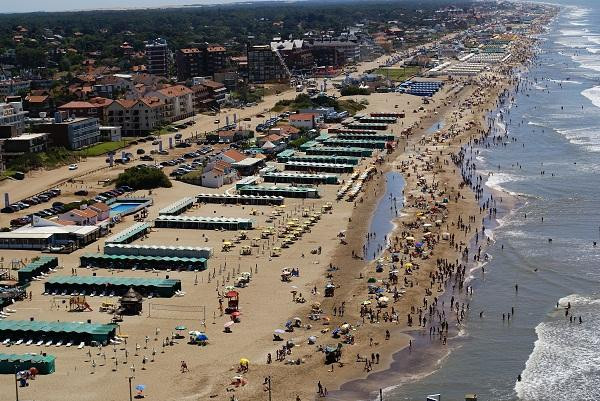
<point x="19" y="342"/>
<point x="11" y="310"/>
<point x="49" y="343"/>
<point x="5" y="342"/>
<point x="81" y="345"/>
<point x="29" y="342"/>
<point x="58" y="344"/>
<point x="39" y="343"/>
<point x="69" y="344"/>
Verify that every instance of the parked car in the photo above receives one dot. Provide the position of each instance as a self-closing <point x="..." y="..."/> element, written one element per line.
<point x="73" y="166"/>
<point x="81" y="192"/>
<point x="140" y="151"/>
<point x="147" y="158"/>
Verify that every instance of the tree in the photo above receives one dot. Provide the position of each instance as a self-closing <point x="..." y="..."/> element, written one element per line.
<point x="142" y="177"/>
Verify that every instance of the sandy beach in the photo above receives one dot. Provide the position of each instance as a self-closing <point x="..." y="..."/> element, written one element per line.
<point x="439" y="210"/>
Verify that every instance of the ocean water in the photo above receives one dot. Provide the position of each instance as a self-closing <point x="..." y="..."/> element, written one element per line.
<point x="388" y="208"/>
<point x="554" y="127"/>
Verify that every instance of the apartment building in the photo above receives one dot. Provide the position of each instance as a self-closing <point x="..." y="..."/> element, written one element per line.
<point x="263" y="64"/>
<point x="157" y="55"/>
<point x="136" y="117"/>
<point x="71" y="133"/>
<point x="12" y="87"/>
<point x="179" y="102"/>
<point x="12" y="119"/>
<point x="200" y="60"/>
<point x="95" y="107"/>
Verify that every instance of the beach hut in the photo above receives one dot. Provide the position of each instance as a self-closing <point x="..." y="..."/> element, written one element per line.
<point x="329" y="290"/>
<point x="333" y="354"/>
<point x="232" y="301"/>
<point x="130" y="303"/>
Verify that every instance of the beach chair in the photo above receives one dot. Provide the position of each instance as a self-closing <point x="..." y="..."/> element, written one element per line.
<point x="93" y="294"/>
<point x="59" y="343"/>
<point x="39" y="343"/>
<point x="81" y="345"/>
<point x="19" y="342"/>
<point x="69" y="344"/>
<point x="11" y="310"/>
<point x="29" y="342"/>
<point x="49" y="343"/>
<point x="53" y="292"/>
<point x="5" y="342"/>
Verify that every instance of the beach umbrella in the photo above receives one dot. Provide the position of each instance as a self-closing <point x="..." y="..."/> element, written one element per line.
<point x="279" y="331"/>
<point x="202" y="337"/>
<point x="380" y="290"/>
<point x="419" y="244"/>
<point x="312" y="339"/>
<point x="366" y="302"/>
<point x="372" y="280"/>
<point x="244" y="361"/>
<point x="288" y="324"/>
<point x="229" y="288"/>
<point x="383" y="299"/>
<point x="228" y="324"/>
<point x="140" y="387"/>
<point x="408" y="265"/>
<point x="236" y="313"/>
<point x="180" y="328"/>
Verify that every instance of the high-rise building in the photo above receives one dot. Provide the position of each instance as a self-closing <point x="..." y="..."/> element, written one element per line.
<point x="157" y="54"/>
<point x="201" y="60"/>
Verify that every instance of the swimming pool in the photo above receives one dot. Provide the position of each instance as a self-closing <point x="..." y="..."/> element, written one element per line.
<point x="126" y="207"/>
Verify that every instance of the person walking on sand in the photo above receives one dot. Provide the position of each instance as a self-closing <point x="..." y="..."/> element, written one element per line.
<point x="320" y="388"/>
<point x="184" y="367"/>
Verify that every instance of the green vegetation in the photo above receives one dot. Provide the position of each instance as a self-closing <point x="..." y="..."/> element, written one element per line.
<point x="296" y="143"/>
<point x="194" y="178"/>
<point x="248" y="95"/>
<point x="353" y="91"/>
<point x="50" y="159"/>
<point x="398" y="74"/>
<point x="141" y="177"/>
<point x="103" y="148"/>
<point x="352" y="106"/>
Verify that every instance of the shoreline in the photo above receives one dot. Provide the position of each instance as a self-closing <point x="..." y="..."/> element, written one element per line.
<point x="434" y="353"/>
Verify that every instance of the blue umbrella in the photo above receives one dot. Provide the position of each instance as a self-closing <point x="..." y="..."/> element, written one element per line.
<point x="288" y="324"/>
<point x="140" y="387"/>
<point x="202" y="337"/>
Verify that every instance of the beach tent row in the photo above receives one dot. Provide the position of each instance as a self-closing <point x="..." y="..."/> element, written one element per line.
<point x="361" y="143"/>
<point x="158" y="250"/>
<point x="203" y="223"/>
<point x="326" y="159"/>
<point x="11" y="363"/>
<point x="387" y="114"/>
<point x="35" y="268"/>
<point x="240" y="199"/>
<point x="283" y="156"/>
<point x="370" y="126"/>
<point x="379" y="119"/>
<point x="54" y="332"/>
<point x="300" y="178"/>
<point x="339" y="151"/>
<point x="176" y="208"/>
<point x="130" y="234"/>
<point x="319" y="167"/>
<point x="368" y="137"/>
<point x="87" y="285"/>
<point x="141" y="262"/>
<point x="285" y="191"/>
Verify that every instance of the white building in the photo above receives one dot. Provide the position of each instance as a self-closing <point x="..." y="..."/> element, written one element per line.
<point x="12" y="115"/>
<point x="11" y="87"/>
<point x="110" y="134"/>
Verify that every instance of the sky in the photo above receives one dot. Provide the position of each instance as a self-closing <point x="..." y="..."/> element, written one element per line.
<point x="69" y="5"/>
